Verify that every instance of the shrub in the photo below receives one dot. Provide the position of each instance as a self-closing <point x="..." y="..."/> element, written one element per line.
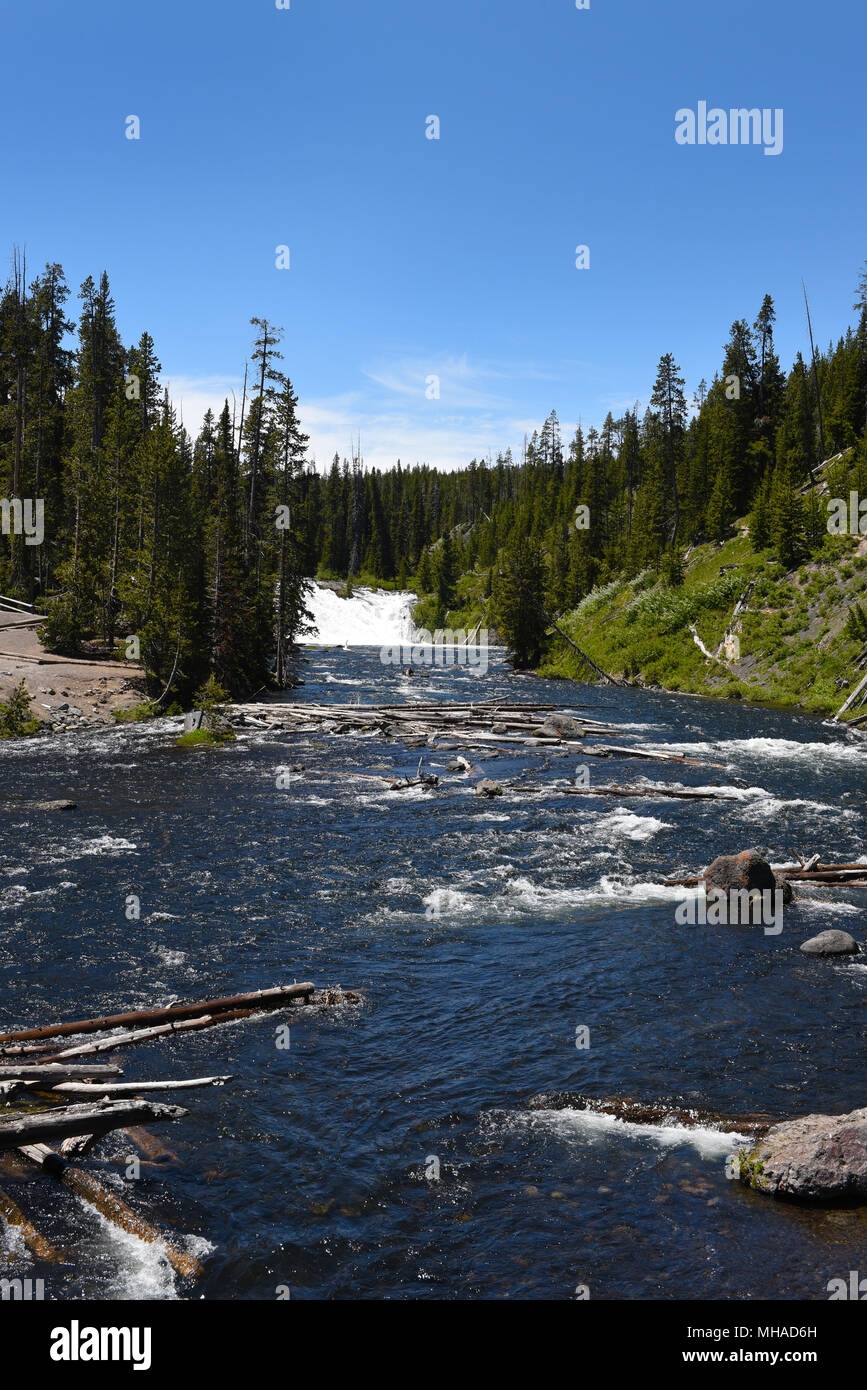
<point x="16" y="715"/>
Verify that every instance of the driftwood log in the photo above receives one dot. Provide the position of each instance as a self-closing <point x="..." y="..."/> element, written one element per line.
<point x="19" y="1129"/>
<point x="125" y="1088"/>
<point x="263" y="999"/>
<point x="57" y="1071"/>
<point x="139" y="1035"/>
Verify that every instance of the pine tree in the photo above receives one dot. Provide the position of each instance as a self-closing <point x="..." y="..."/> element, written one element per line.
<point x="519" y="603"/>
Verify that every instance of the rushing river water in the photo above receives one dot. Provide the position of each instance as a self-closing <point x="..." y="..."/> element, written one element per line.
<point x="483" y="933"/>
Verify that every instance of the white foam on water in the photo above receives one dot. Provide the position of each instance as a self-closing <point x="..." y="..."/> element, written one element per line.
<point x="13" y="1246"/>
<point x="370" y="618"/>
<point x="169" y="957"/>
<point x="773" y="805"/>
<point x="143" y="1269"/>
<point x="818" y="905"/>
<point x="773" y="750"/>
<point x="785" y="749"/>
<point x="18" y="894"/>
<point x="607" y="890"/>
<point x="85" y="849"/>
<point x="622" y="821"/>
<point x="590" y="1125"/>
<point x="727" y="792"/>
<point x="521" y="896"/>
<point x="450" y="902"/>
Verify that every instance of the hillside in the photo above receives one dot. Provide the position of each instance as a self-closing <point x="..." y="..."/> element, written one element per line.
<point x="792" y="644"/>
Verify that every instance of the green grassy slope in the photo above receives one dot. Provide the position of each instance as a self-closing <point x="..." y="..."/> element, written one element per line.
<point x="793" y="649"/>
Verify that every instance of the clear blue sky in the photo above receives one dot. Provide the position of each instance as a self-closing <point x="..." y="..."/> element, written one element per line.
<point x="412" y="257"/>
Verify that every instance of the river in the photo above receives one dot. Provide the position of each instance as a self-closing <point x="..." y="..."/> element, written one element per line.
<point x="391" y="1151"/>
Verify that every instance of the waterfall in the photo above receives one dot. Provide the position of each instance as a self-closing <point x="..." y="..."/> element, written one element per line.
<point x="370" y="618"/>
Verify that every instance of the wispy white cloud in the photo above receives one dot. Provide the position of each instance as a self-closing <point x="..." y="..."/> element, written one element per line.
<point x="473" y="416"/>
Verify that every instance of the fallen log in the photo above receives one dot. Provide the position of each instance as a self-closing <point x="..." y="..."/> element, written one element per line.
<point x="584" y="657"/>
<point x="862" y="685"/>
<point x="263" y="998"/>
<point x="125" y="1088"/>
<point x="318" y="999"/>
<point x="613" y="751"/>
<point x="646" y="792"/>
<point x="828" y="876"/>
<point x="56" y="1071"/>
<point x="132" y="1088"/>
<point x="138" y="1035"/>
<point x="86" y="1186"/>
<point x="20" y="1129"/>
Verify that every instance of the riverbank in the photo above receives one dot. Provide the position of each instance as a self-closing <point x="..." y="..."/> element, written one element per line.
<point x="67" y="693"/>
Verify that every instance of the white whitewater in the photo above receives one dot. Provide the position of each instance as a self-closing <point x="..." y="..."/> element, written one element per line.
<point x="370" y="618"/>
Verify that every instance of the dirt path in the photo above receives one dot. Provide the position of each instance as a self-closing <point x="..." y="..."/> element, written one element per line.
<point x="67" y="693"/>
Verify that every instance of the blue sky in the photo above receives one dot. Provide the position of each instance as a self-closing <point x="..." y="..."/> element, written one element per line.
<point x="413" y="257"/>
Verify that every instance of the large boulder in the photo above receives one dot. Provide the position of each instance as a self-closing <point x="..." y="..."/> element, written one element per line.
<point x="734" y="872"/>
<point x="488" y="788"/>
<point x="561" y="726"/>
<point x="737" y="871"/>
<point x="818" y="1158"/>
<point x="831" y="943"/>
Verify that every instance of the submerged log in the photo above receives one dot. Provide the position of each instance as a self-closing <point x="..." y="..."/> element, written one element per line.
<point x="262" y="998"/>
<point x="86" y="1186"/>
<point x="154" y="1149"/>
<point x="39" y="1247"/>
<point x="656" y="1113"/>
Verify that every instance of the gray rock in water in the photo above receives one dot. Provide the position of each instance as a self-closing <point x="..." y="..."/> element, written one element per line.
<point x="562" y="726"/>
<point x="831" y="943"/>
<point x="488" y="788"/>
<point x="55" y="805"/>
<point x="818" y="1158"/>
